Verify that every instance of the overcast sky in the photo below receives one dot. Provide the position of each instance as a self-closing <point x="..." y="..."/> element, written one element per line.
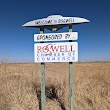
<point x="17" y="42"/>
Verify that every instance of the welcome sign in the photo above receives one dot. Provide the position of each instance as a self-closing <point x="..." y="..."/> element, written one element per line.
<point x="56" y="52"/>
<point x="55" y="20"/>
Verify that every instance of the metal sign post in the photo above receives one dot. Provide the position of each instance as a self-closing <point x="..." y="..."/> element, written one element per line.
<point x="71" y="78"/>
<point x="43" y="102"/>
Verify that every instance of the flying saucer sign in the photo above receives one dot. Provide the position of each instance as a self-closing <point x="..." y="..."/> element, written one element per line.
<point x="55" y="22"/>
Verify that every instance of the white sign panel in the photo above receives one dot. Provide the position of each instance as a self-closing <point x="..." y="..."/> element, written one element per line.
<point x="56" y="36"/>
<point x="56" y="52"/>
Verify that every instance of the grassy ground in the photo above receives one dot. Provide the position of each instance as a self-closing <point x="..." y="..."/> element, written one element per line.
<point x="20" y="86"/>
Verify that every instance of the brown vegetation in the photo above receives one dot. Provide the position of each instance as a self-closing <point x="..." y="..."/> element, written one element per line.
<point x="20" y="86"/>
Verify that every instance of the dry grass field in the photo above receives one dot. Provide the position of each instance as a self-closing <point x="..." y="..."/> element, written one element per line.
<point x="20" y="86"/>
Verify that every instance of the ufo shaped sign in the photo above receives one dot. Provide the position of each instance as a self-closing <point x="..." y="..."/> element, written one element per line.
<point x="55" y="22"/>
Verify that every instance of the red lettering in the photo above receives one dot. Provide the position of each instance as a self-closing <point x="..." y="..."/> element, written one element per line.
<point x="62" y="48"/>
<point x="72" y="48"/>
<point x="45" y="49"/>
<point x="54" y="48"/>
<point x="39" y="49"/>
<point x="66" y="49"/>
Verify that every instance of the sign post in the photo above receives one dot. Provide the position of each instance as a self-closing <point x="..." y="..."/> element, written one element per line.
<point x="71" y="78"/>
<point x="43" y="102"/>
<point x="56" y="52"/>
